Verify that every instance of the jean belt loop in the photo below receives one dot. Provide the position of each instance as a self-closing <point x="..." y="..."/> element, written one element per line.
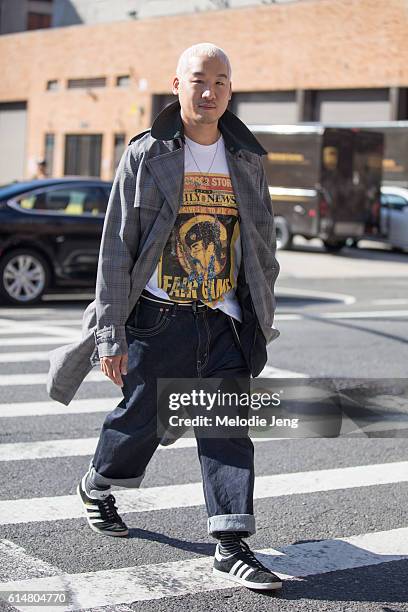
<point x="174" y="309"/>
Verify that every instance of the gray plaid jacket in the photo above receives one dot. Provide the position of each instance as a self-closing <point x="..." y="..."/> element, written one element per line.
<point x="142" y="209"/>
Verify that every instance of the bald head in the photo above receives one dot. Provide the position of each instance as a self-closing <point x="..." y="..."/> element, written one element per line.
<point x="202" y="50"/>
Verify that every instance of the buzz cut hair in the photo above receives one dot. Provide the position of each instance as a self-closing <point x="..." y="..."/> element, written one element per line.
<point x="206" y="49"/>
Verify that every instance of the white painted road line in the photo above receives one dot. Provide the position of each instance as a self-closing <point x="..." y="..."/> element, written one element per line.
<point x="176" y="578"/>
<point x="9" y="380"/>
<point x="271" y="372"/>
<point x="25" y="327"/>
<point x="24" y="356"/>
<point x="76" y="447"/>
<point x="38" y="340"/>
<point x="28" y="311"/>
<point x="17" y="564"/>
<point x="325" y="295"/>
<point x="370" y="314"/>
<point x="79" y="406"/>
<point x="313" y="315"/>
<point x="15" y="511"/>
<point x="389" y="302"/>
<point x="6" y="324"/>
<point x="24" y="379"/>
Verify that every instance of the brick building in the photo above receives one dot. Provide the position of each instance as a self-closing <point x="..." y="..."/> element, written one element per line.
<point x="77" y="94"/>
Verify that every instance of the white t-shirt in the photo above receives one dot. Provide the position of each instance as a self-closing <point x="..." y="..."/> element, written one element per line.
<point x="202" y="257"/>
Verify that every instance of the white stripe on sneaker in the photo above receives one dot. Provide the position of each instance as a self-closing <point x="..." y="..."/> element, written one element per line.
<point x="236" y="566"/>
<point x="247" y="573"/>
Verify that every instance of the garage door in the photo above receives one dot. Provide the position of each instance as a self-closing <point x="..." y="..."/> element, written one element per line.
<point x="352" y="105"/>
<point x="268" y="107"/>
<point x="12" y="141"/>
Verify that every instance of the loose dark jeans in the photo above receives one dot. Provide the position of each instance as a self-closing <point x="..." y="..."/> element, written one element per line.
<point x="173" y="342"/>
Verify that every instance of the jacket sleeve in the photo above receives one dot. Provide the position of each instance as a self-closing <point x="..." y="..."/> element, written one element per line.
<point x="117" y="253"/>
<point x="271" y="264"/>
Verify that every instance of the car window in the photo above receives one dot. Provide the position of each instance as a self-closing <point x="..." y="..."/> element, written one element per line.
<point x="393" y="201"/>
<point x="69" y="200"/>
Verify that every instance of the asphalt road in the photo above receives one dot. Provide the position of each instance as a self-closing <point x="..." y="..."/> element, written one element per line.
<point x="331" y="513"/>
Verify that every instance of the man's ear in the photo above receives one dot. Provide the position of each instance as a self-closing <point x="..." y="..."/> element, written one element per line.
<point x="176" y="83"/>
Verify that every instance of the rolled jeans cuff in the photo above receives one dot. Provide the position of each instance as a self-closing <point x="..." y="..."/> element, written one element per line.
<point x="127" y="483"/>
<point x="231" y="522"/>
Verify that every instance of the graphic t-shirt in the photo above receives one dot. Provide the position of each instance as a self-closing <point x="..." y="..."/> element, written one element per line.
<point x="202" y="256"/>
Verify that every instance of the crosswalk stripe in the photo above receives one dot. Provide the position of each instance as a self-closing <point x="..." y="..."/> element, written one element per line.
<point x="76" y="447"/>
<point x="24" y="327"/>
<point x="271" y="372"/>
<point x="63" y="507"/>
<point x="24" y="356"/>
<point x="176" y="578"/>
<point x="8" y="380"/>
<point x="38" y="340"/>
<point x="7" y="324"/>
<point x="17" y="564"/>
<point x="50" y="407"/>
<point x="28" y="311"/>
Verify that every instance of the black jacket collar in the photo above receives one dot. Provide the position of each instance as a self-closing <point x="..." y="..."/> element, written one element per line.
<point x="168" y="125"/>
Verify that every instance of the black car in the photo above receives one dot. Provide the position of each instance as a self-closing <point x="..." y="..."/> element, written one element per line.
<point x="50" y="232"/>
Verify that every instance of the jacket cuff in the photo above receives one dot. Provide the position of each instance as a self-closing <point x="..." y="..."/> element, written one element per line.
<point x="110" y="341"/>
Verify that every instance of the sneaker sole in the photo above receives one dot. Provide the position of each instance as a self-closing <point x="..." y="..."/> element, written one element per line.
<point x="117" y="534"/>
<point x="260" y="586"/>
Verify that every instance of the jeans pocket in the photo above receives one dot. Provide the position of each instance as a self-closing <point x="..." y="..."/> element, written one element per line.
<point x="148" y="320"/>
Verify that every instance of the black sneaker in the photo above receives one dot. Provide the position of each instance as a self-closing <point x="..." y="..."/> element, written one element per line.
<point x="245" y="569"/>
<point x="101" y="512"/>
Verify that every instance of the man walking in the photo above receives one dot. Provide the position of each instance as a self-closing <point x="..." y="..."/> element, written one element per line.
<point x="190" y="219"/>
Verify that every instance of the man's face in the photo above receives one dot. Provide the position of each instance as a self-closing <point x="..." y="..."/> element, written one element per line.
<point x="203" y="90"/>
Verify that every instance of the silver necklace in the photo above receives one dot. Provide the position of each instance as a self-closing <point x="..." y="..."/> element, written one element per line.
<point x="213" y="159"/>
<point x="197" y="183"/>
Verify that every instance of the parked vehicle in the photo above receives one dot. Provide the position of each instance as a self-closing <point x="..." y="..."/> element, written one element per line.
<point x="50" y="232"/>
<point x="394" y="216"/>
<point x="395" y="161"/>
<point x="324" y="182"/>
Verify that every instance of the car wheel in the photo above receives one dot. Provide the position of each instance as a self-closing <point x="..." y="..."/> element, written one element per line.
<point x="284" y="236"/>
<point x="334" y="246"/>
<point x="24" y="277"/>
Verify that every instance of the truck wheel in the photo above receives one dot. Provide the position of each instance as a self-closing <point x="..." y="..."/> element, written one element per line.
<point x="24" y="277"/>
<point x="284" y="236"/>
<point x="332" y="246"/>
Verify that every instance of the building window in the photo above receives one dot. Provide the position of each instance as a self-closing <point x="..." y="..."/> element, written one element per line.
<point x="49" y="153"/>
<point x="38" y="21"/>
<point x="123" y="81"/>
<point x="52" y="85"/>
<point x="86" y="83"/>
<point x="118" y="148"/>
<point x="83" y="154"/>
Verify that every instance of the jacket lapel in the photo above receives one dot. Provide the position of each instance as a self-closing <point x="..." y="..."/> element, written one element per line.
<point x="168" y="172"/>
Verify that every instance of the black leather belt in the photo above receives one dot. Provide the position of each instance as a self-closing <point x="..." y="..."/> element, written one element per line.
<point x="193" y="305"/>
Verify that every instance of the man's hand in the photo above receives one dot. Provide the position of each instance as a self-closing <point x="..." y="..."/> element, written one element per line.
<point x="114" y="367"/>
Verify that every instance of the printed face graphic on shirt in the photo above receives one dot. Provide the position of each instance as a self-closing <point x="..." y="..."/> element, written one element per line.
<point x="198" y="259"/>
